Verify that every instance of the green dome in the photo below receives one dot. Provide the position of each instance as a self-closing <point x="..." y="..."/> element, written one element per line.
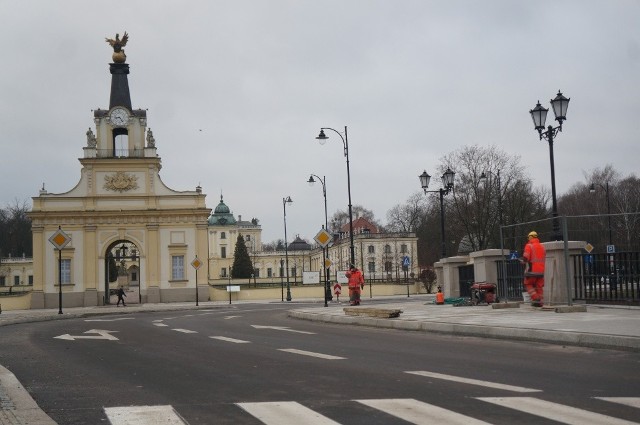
<point x="221" y="215"/>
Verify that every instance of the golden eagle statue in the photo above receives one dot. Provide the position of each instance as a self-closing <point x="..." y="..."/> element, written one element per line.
<point x="118" y="44"/>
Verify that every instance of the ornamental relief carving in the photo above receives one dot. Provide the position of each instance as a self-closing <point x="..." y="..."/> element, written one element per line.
<point x="121" y="182"/>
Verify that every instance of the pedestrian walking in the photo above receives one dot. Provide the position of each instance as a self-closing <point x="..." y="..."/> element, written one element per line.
<point x="356" y="284"/>
<point x="120" y="295"/>
<point x="533" y="259"/>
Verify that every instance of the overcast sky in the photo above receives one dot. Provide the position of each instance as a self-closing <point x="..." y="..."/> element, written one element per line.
<point x="237" y="91"/>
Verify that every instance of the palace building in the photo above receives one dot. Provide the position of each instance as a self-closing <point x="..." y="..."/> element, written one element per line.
<point x="121" y="226"/>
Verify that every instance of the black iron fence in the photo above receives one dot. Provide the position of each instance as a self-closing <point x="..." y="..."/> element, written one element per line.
<point x="510" y="279"/>
<point x="607" y="278"/>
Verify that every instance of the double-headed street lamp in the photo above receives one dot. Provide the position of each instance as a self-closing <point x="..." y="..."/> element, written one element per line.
<point x="484" y="177"/>
<point x="592" y="189"/>
<point x="322" y="138"/>
<point x="539" y="115"/>
<point x="327" y="287"/>
<point x="286" y="201"/>
<point x="447" y="186"/>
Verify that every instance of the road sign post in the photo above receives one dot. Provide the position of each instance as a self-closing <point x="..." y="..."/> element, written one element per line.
<point x="60" y="239"/>
<point x="196" y="263"/>
<point x="323" y="238"/>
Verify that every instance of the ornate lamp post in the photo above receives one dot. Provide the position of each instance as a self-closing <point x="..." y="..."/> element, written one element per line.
<point x="327" y="286"/>
<point x="286" y="201"/>
<point x="539" y="116"/>
<point x="322" y="138"/>
<point x="592" y="189"/>
<point x="447" y="186"/>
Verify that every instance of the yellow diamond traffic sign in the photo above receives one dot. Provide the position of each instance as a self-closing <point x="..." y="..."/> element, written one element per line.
<point x="60" y="239"/>
<point x="588" y="247"/>
<point x="196" y="263"/>
<point x="327" y="263"/>
<point x="323" y="238"/>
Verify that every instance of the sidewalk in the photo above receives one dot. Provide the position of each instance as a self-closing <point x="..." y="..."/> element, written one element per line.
<point x="599" y="327"/>
<point x="610" y="327"/>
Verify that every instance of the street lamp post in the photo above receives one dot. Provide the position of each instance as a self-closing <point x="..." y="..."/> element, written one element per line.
<point x="286" y="201"/>
<point x="282" y="278"/>
<point x="327" y="286"/>
<point x="322" y="138"/>
<point x="447" y="186"/>
<point x="539" y="115"/>
<point x="136" y="257"/>
<point x="592" y="189"/>
<point x="484" y="177"/>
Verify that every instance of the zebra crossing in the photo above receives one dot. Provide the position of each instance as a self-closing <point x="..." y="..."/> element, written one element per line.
<point x="410" y="410"/>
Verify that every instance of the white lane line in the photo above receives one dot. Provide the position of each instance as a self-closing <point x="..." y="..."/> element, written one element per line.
<point x="224" y="338"/>
<point x="419" y="413"/>
<point x="160" y="324"/>
<point x="109" y="320"/>
<point x="282" y="328"/>
<point x="285" y="413"/>
<point x="143" y="415"/>
<point x="311" y="354"/>
<point x="230" y="317"/>
<point x="554" y="411"/>
<point x="474" y="382"/>
<point x="627" y="401"/>
<point x="186" y="331"/>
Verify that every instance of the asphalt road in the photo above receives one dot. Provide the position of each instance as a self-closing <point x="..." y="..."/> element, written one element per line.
<point x="221" y="365"/>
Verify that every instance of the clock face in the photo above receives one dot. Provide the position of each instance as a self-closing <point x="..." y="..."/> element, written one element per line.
<point x="119" y="116"/>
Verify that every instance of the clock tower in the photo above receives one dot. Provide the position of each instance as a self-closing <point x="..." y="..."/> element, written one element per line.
<point x="127" y="227"/>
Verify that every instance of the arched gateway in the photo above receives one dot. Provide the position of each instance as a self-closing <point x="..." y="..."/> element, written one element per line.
<point x="120" y="207"/>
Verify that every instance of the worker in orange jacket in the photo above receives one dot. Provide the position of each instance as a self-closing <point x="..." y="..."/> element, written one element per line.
<point x="356" y="284"/>
<point x="533" y="258"/>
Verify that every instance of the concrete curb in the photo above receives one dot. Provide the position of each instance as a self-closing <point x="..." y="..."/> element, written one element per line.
<point x="20" y="408"/>
<point x="580" y="339"/>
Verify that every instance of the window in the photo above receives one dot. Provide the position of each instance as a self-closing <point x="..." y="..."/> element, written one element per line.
<point x="16" y="280"/>
<point x="256" y="272"/>
<point x="403" y="248"/>
<point x="177" y="267"/>
<point x="2" y="281"/>
<point x="371" y="249"/>
<point x="293" y="271"/>
<point x="223" y="252"/>
<point x="223" y="272"/>
<point x="387" y="249"/>
<point x="31" y="280"/>
<point x="269" y="272"/>
<point x="248" y="238"/>
<point x="65" y="271"/>
<point x="388" y="267"/>
<point x="134" y="276"/>
<point x="223" y="235"/>
<point x="372" y="267"/>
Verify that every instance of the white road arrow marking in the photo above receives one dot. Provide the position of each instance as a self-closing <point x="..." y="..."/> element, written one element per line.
<point x="108" y="320"/>
<point x="102" y="334"/>
<point x="282" y="328"/>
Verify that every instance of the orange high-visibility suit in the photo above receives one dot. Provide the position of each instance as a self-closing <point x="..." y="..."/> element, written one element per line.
<point x="534" y="256"/>
<point x="356" y="283"/>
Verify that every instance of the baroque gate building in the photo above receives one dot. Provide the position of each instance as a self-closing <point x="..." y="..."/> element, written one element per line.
<point x="119" y="215"/>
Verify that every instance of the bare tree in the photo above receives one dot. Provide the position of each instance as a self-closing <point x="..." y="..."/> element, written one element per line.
<point x="408" y="216"/>
<point x="478" y="204"/>
<point x="340" y="217"/>
<point x="15" y="230"/>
